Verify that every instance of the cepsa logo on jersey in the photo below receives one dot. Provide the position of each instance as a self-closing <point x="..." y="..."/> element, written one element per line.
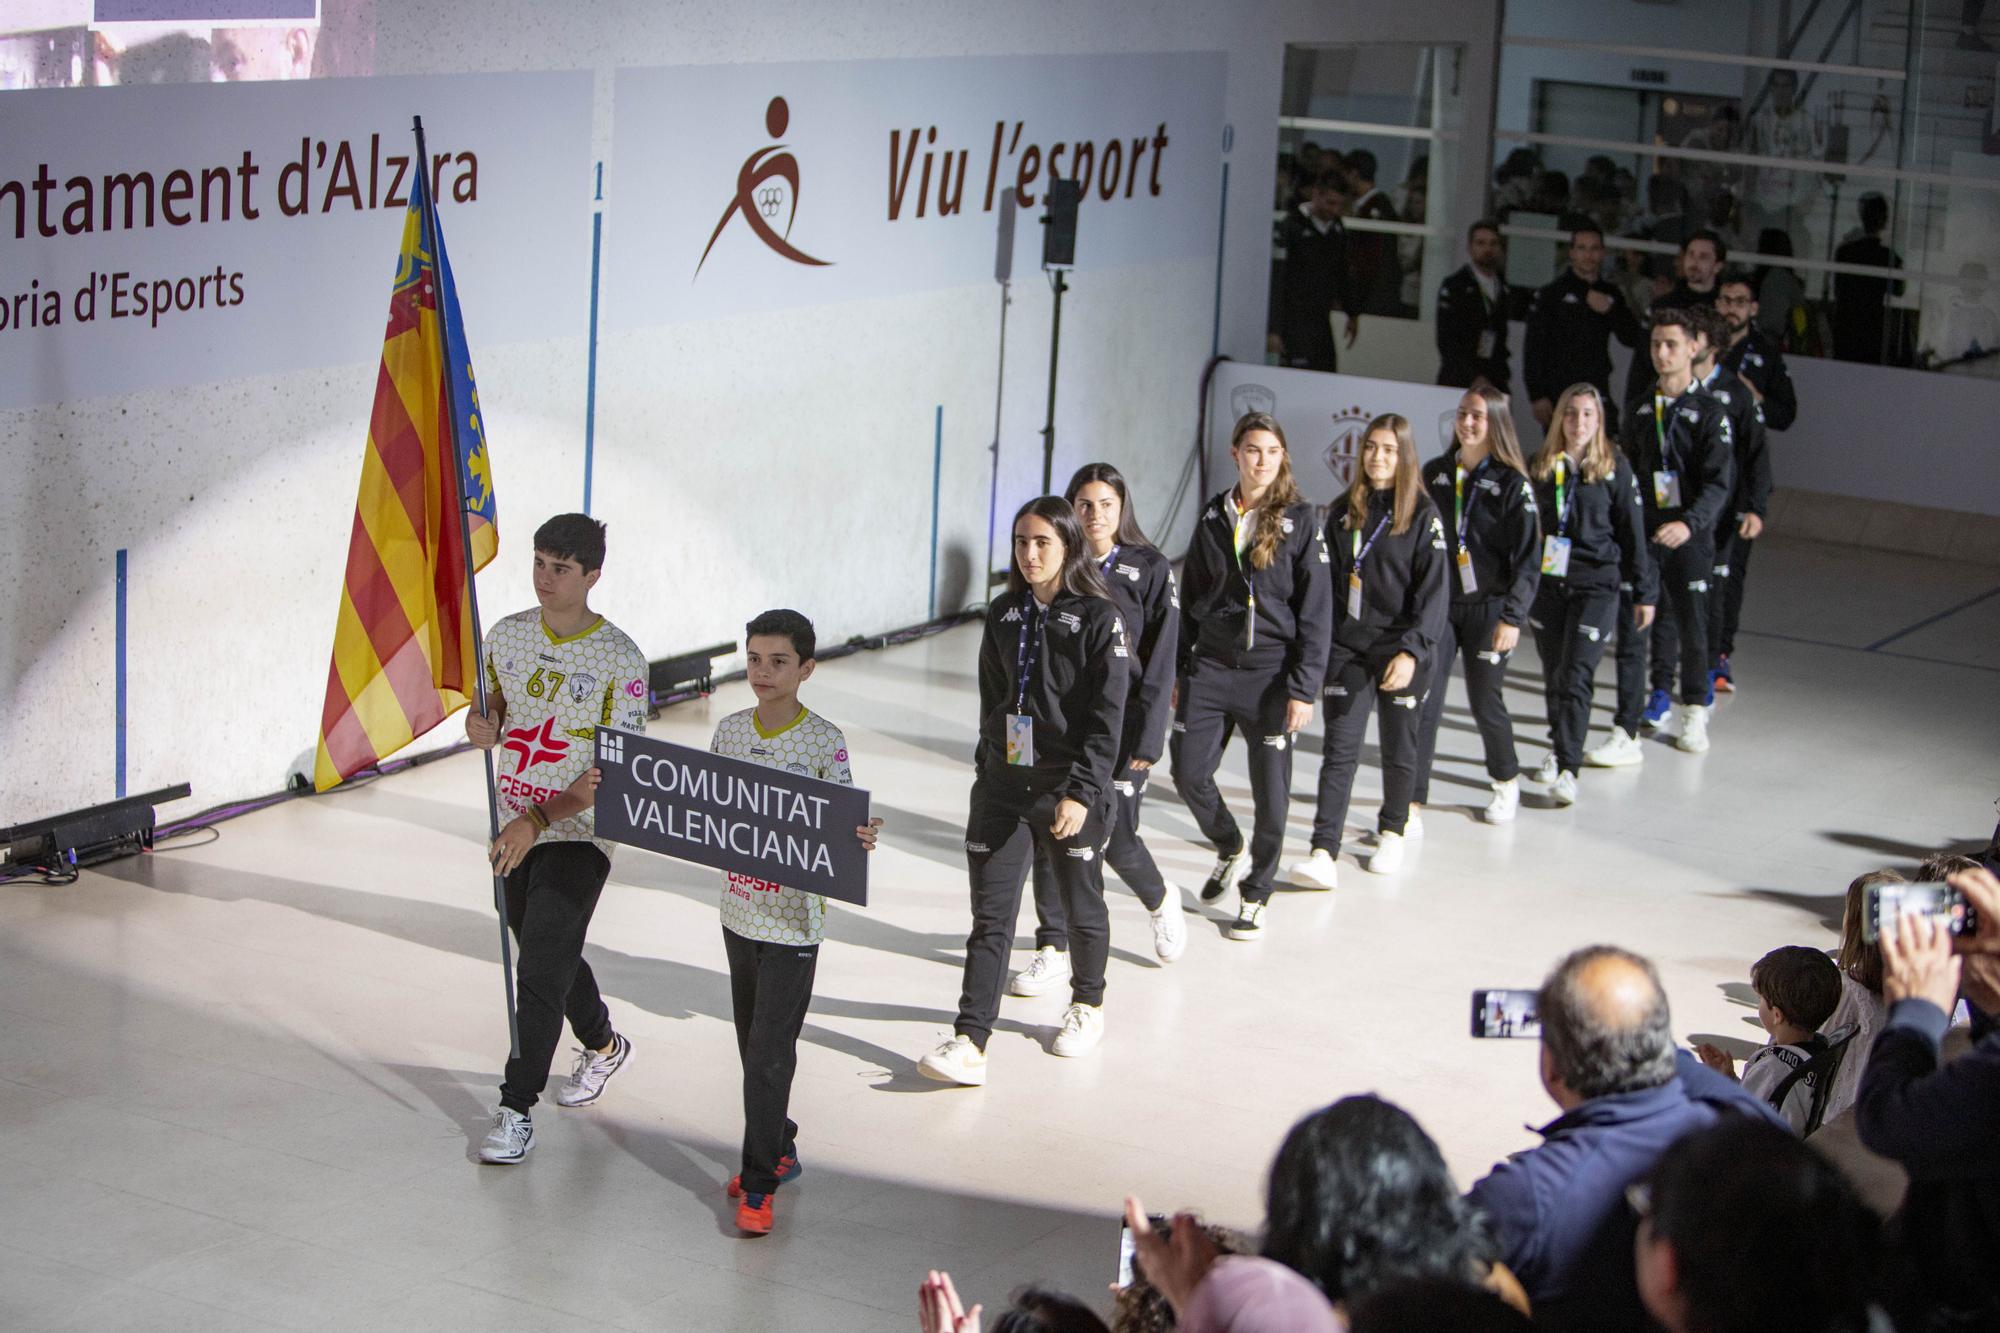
<point x="531" y="745"/>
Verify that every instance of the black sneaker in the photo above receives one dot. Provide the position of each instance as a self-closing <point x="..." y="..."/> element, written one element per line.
<point x="1249" y="922"/>
<point x="1226" y="875"/>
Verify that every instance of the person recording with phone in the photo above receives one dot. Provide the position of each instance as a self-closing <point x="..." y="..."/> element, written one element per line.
<point x="1142" y="585"/>
<point x="1937" y="1120"/>
<point x="1389" y="613"/>
<point x="1593" y="543"/>
<point x="1053" y="675"/>
<point x="1256" y="619"/>
<point x="1494" y="541"/>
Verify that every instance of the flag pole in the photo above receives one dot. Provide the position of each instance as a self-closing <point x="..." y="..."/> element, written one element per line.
<point x="471" y="581"/>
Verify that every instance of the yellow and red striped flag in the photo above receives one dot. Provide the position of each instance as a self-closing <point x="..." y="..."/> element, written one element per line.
<point x="405" y="651"/>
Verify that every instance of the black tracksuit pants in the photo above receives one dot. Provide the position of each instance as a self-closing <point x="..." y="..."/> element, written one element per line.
<point x="1681" y="625"/>
<point x="1730" y="595"/>
<point x="1123" y="852"/>
<point x="1469" y="634"/>
<point x="1009" y="823"/>
<point x="1572" y="628"/>
<point x="1213" y="697"/>
<point x="770" y="988"/>
<point x="1350" y="697"/>
<point x="1631" y="667"/>
<point x="550" y="897"/>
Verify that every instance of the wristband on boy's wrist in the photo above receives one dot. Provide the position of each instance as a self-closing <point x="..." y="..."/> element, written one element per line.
<point x="539" y="819"/>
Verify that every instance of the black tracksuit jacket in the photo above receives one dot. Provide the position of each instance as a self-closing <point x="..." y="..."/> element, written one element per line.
<point x="1292" y="617"/>
<point x="1698" y="447"/>
<point x="1142" y="585"/>
<point x="1076" y="690"/>
<point x="1759" y="360"/>
<point x="1403" y="598"/>
<point x="1463" y="316"/>
<point x="1751" y="449"/>
<point x="1501" y="533"/>
<point x="1606" y="531"/>
<point x="1566" y="342"/>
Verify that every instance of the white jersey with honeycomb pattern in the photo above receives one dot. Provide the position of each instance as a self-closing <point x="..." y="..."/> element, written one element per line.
<point x="757" y="909"/>
<point x="558" y="690"/>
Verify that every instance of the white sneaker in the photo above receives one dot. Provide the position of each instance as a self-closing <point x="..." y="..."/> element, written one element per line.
<point x="508" y="1141"/>
<point x="1228" y="873"/>
<point x="1563" y="790"/>
<point x="955" y="1061"/>
<point x="1169" y="930"/>
<point x="1620" y="750"/>
<point x="1413" y="823"/>
<point x="1249" y="922"/>
<point x="1047" y="970"/>
<point x="593" y="1070"/>
<point x="1547" y="774"/>
<point x="1506" y="802"/>
<point x="1388" y="858"/>
<point x="1694" y="729"/>
<point x="1082" y="1029"/>
<point x="1318" y="871"/>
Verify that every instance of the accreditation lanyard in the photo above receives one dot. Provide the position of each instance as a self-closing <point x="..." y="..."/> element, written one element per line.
<point x="1110" y="559"/>
<point x="1237" y="542"/>
<point x="1563" y="496"/>
<point x="1461" y="505"/>
<point x="1555" y="545"/>
<point x="1020" y="726"/>
<point x="1666" y="478"/>
<point x="1361" y="550"/>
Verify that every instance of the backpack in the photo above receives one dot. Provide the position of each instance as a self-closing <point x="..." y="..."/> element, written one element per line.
<point x="1825" y="1053"/>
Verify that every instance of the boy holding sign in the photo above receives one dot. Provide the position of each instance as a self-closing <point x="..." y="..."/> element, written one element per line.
<point x="772" y="934"/>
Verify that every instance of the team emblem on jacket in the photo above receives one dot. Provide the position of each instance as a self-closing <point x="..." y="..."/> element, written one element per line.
<point x="1437" y="535"/>
<point x="1286" y="524"/>
<point x="1129" y="571"/>
<point x="1069" y="620"/>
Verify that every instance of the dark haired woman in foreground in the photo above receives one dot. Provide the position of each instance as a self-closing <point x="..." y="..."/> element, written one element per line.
<point x="1053" y="673"/>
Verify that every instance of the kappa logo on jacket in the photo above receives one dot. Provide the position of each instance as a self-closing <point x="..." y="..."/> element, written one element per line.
<point x="1013" y="613"/>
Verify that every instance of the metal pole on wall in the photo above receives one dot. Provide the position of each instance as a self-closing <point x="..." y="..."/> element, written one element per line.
<point x="471" y="589"/>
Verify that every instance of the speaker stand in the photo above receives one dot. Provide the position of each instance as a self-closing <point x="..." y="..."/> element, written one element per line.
<point x="1059" y="284"/>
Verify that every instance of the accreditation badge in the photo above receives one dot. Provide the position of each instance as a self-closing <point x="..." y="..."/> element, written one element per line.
<point x="1354" y="597"/>
<point x="1020" y="739"/>
<point x="1487" y="343"/>
<point x="1555" y="556"/>
<point x="1468" y="578"/>
<point x="1667" y="489"/>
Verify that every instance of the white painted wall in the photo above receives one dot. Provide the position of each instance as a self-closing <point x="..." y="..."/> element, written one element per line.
<point x="741" y="462"/>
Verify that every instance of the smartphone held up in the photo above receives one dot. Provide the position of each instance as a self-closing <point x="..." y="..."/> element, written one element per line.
<point x="1505" y="1013"/>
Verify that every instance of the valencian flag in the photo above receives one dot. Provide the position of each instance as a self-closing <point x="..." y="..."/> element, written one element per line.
<point x="405" y="655"/>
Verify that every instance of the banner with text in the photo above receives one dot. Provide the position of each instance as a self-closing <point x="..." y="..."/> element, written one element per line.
<point x="197" y="233"/>
<point x="739" y="188"/>
<point x="729" y="813"/>
<point x="1324" y="416"/>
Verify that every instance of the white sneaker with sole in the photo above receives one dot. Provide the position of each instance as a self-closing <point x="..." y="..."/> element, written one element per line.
<point x="1047" y="970"/>
<point x="1694" y="729"/>
<point x="593" y="1069"/>
<point x="1249" y="922"/>
<point x="1169" y="930"/>
<point x="509" y="1139"/>
<point x="1563" y="790"/>
<point x="1620" y="750"/>
<point x="1388" y="858"/>
<point x="955" y="1061"/>
<point x="1082" y="1029"/>
<point x="1547" y="774"/>
<point x="1228" y="873"/>
<point x="1318" y="871"/>
<point x="1506" y="802"/>
<point x="1413" y="823"/>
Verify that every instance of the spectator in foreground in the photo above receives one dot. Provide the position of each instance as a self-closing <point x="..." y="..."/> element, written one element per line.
<point x="1861" y="1007"/>
<point x="1433" y="1305"/>
<point x="1744" y="1229"/>
<point x="1938" y="1120"/>
<point x="1797" y="991"/>
<point x="1212" y="1293"/>
<point x="1030" y="1310"/>
<point x="1141" y="1307"/>
<point x="1558" y="1212"/>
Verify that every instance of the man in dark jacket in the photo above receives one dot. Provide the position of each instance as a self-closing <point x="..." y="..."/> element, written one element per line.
<point x="1378" y="274"/>
<point x="1558" y="1212"/>
<point x="1472" y="315"/>
<point x="1937" y="1120"/>
<point x="1571" y="323"/>
<point x="1318" y="279"/>
<point x="1752" y="356"/>
<point x="1699" y="264"/>
<point x="1743" y="519"/>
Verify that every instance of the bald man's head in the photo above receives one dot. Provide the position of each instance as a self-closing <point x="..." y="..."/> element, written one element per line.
<point x="1605" y="1025"/>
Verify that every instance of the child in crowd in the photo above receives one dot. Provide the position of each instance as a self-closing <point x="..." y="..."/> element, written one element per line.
<point x="1797" y="991"/>
<point x="771" y="933"/>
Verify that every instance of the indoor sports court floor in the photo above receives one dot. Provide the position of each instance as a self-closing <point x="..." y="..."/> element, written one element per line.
<point x="239" y="1083"/>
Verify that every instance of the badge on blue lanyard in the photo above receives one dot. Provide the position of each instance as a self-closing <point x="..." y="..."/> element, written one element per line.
<point x="1020" y="726"/>
<point x="1555" y="546"/>
<point x="1361" y="550"/>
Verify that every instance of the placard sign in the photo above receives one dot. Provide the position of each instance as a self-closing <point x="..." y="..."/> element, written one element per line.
<point x="733" y="815"/>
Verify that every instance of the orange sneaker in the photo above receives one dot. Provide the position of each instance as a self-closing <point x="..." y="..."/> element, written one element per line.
<point x="788" y="1169"/>
<point x="753" y="1215"/>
